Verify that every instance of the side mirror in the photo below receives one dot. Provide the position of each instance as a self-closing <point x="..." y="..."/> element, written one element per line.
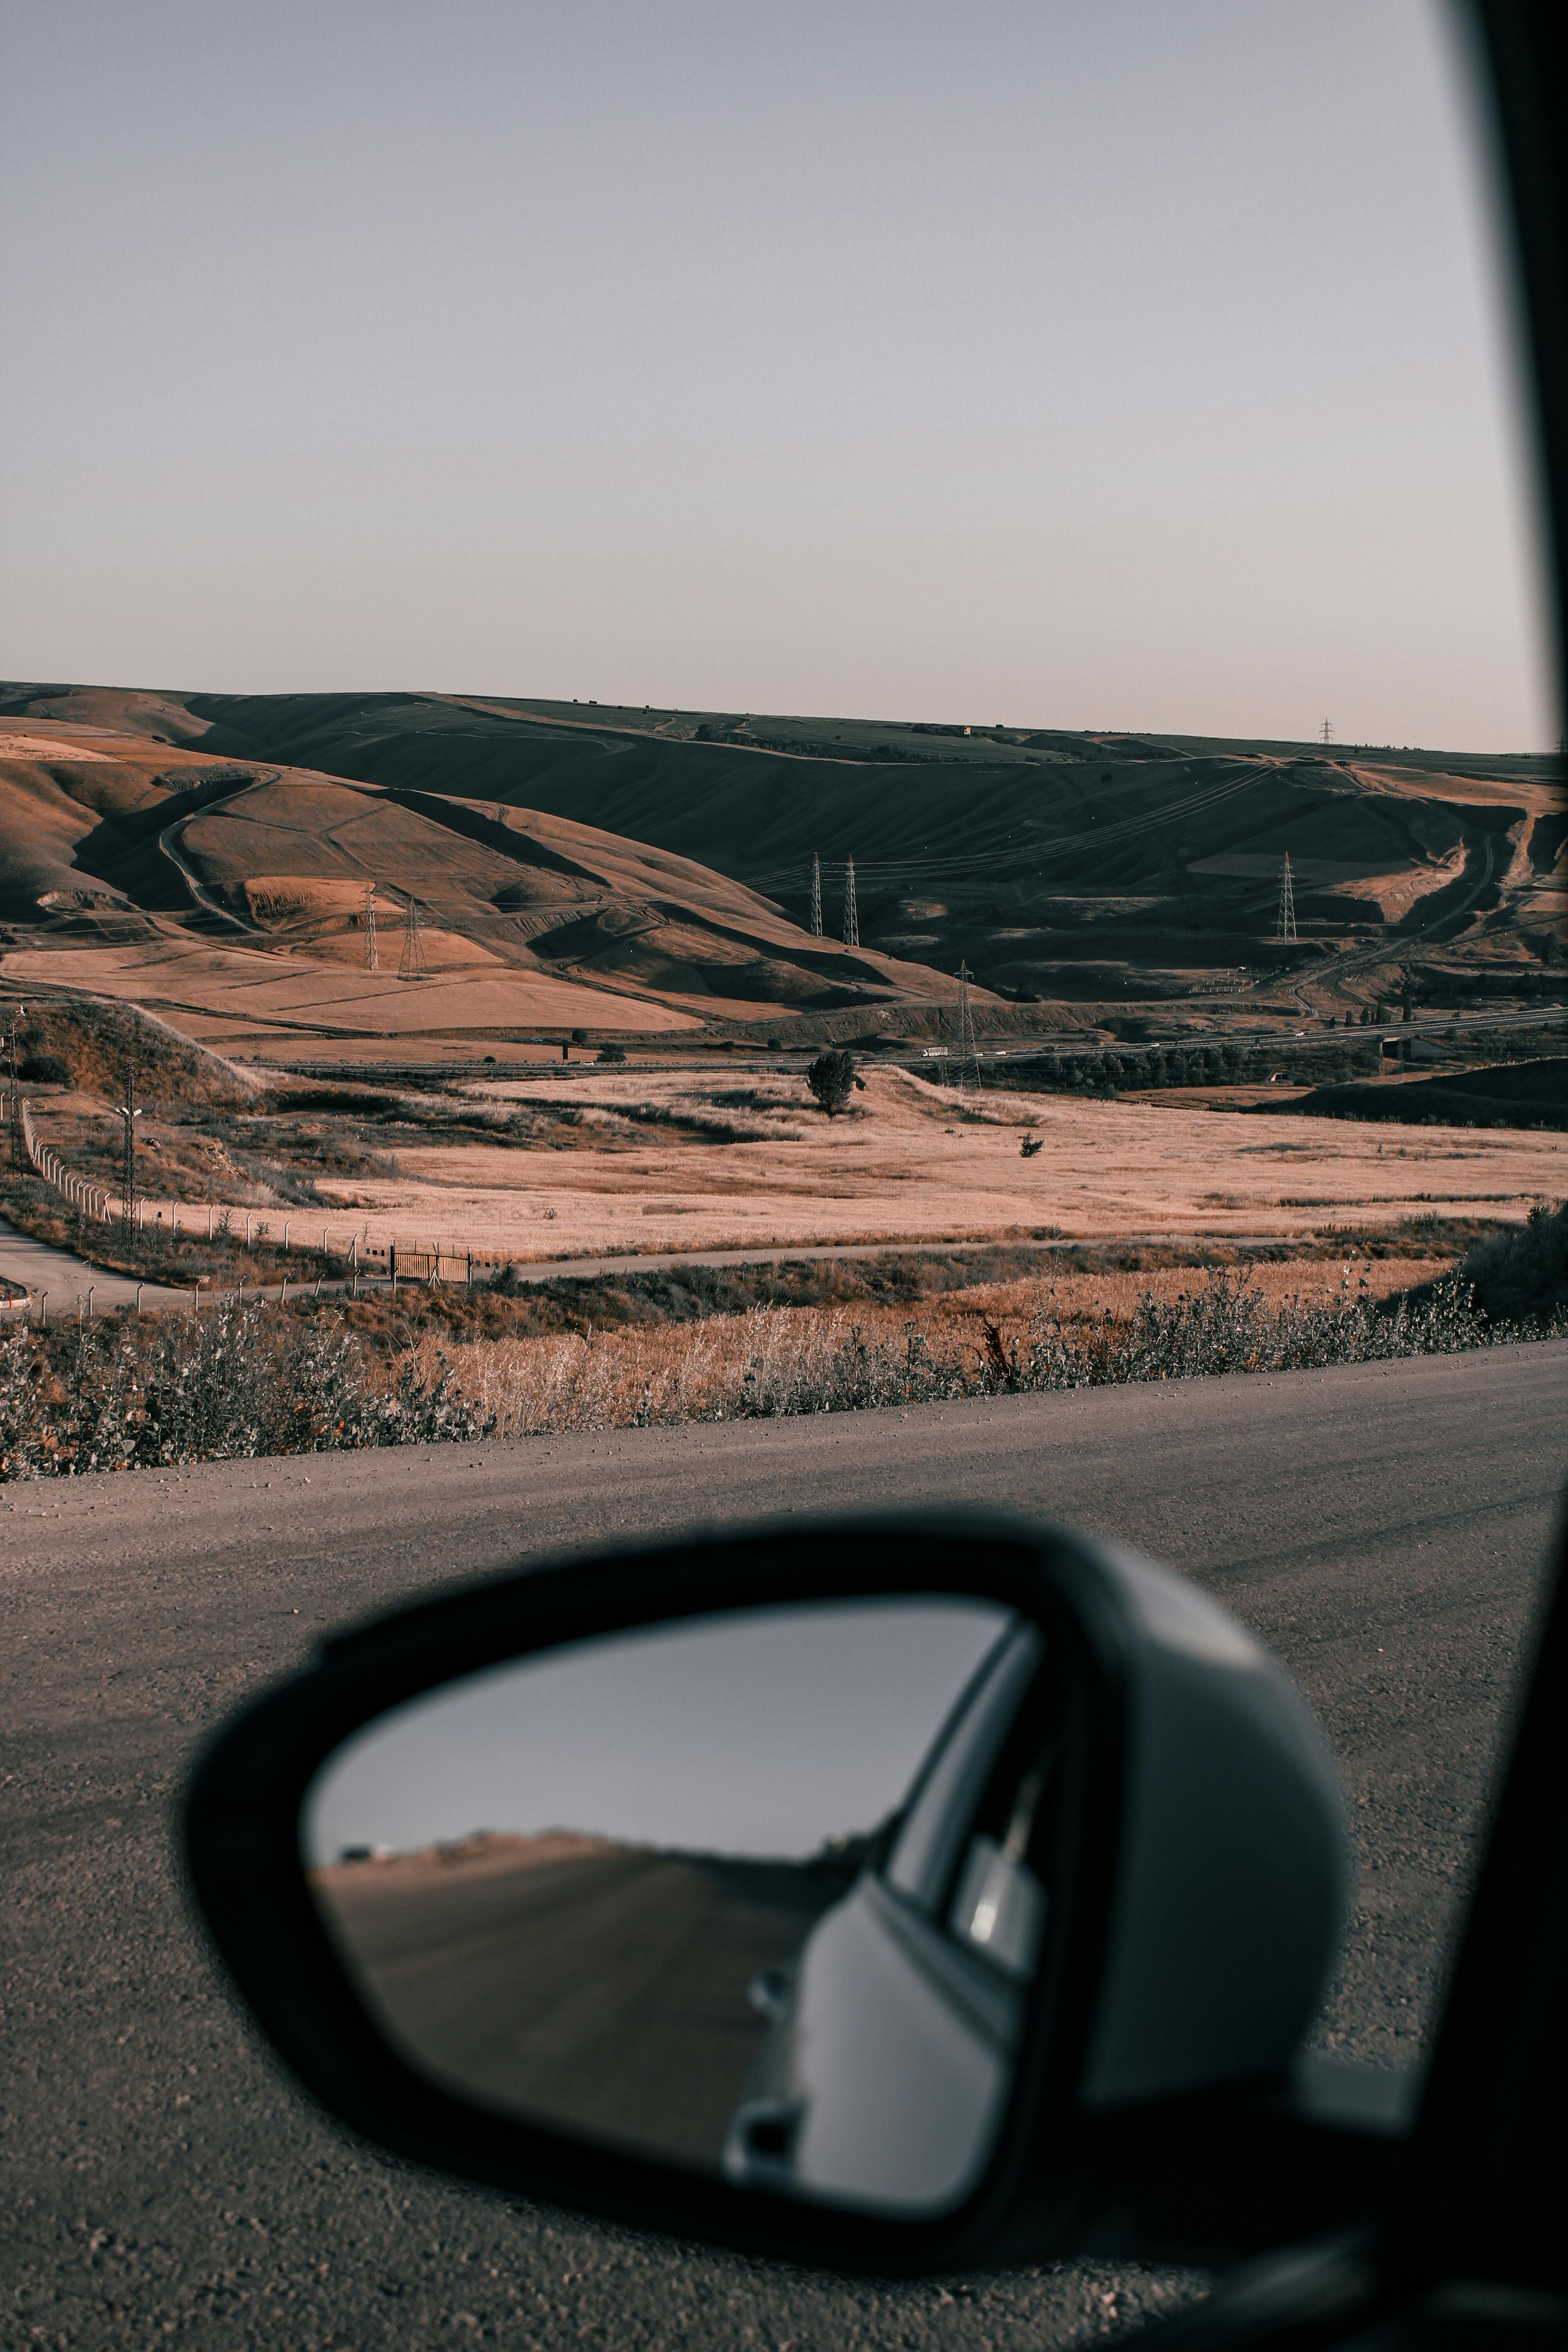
<point x="846" y="1895"/>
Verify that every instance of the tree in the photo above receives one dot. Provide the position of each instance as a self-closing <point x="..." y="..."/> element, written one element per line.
<point x="831" y="1078"/>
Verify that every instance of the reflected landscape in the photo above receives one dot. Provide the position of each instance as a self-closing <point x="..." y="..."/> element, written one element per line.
<point x="606" y="1988"/>
<point x="749" y="1893"/>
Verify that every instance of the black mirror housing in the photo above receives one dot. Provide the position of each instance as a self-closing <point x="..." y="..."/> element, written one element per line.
<point x="1197" y="1904"/>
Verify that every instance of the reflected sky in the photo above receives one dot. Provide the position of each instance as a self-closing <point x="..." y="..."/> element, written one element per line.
<point x="760" y="1732"/>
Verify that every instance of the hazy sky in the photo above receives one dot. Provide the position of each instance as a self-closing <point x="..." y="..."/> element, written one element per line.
<point x="764" y="1732"/>
<point x="1117" y="365"/>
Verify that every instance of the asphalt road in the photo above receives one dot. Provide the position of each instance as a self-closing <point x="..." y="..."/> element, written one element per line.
<point x="52" y="1283"/>
<point x="1384" y="1527"/>
<point x="607" y="1992"/>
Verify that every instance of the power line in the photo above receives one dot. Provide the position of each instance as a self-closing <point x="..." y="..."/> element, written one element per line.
<point x="968" y="1051"/>
<point x="1286" y="925"/>
<point x="815" y="895"/>
<point x="411" y="964"/>
<point x="370" y="962"/>
<point x="851" y="917"/>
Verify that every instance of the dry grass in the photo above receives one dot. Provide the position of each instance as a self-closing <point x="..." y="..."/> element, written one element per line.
<point x="618" y="1163"/>
<point x="684" y="1372"/>
<point x="910" y="1163"/>
<point x="250" y="998"/>
<point x="245" y="1380"/>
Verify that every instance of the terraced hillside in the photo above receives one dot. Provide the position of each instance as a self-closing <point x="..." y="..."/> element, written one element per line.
<point x="1058" y="864"/>
<point x="666" y="856"/>
<point x="234" y="896"/>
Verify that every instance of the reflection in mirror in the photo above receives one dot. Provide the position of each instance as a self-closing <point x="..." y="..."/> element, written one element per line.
<point x="759" y="1894"/>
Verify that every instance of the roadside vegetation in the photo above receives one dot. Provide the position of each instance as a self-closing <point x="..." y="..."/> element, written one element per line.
<point x="129" y="1393"/>
<point x="1522" y="1272"/>
<point x="241" y="1381"/>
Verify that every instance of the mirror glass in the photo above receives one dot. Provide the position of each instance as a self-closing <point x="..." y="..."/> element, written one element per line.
<point x="759" y="1894"/>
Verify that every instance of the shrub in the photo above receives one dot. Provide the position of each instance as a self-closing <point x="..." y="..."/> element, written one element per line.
<point x="245" y="1382"/>
<point x="612" y="1054"/>
<point x="1524" y="1274"/>
<point x="47" y="1070"/>
<point x="771" y="1363"/>
<point x="230" y="1384"/>
<point x="831" y="1078"/>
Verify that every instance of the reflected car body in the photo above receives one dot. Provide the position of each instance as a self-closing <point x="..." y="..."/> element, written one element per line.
<point x="889" y="2058"/>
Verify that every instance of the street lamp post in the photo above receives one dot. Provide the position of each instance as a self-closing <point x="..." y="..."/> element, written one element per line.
<point x="129" y="1114"/>
<point x="13" y="1120"/>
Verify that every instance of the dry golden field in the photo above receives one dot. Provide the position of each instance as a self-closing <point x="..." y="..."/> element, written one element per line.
<point x="617" y="1163"/>
<point x="245" y="999"/>
<point x="687" y="1163"/>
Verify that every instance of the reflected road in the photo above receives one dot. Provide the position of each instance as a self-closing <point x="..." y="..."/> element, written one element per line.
<point x="606" y="1993"/>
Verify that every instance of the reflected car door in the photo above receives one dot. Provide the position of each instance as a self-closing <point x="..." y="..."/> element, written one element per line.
<point x="890" y="2053"/>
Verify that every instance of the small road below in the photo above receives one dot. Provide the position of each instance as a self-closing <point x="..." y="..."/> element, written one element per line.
<point x="1384" y="1527"/>
<point x="45" y="1283"/>
<point x="33" y="1269"/>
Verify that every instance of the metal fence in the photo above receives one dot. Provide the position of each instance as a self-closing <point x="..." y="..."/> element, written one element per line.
<point x="427" y="1258"/>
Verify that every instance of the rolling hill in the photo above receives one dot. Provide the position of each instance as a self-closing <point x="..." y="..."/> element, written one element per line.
<point x="234" y="896"/>
<point x="664" y="857"/>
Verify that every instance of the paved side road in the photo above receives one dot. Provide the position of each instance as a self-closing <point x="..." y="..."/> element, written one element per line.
<point x="1383" y="1526"/>
<point x="34" y="1268"/>
<point x="54" y="1282"/>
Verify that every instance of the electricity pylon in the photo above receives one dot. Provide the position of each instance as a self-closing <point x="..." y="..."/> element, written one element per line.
<point x="411" y="964"/>
<point x="851" y="918"/>
<point x="1326" y="731"/>
<point x="1286" y="929"/>
<point x="968" y="1051"/>
<point x="370" y="964"/>
<point x="815" y="895"/>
